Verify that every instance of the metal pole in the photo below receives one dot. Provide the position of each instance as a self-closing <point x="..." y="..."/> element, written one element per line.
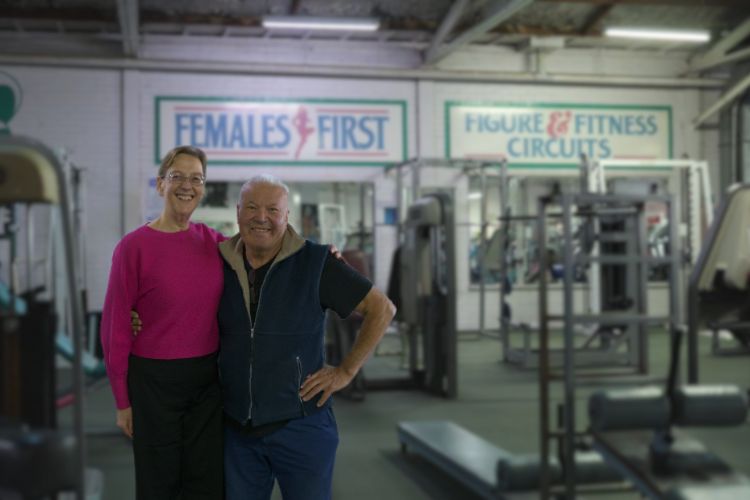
<point x="568" y="453"/>
<point x="399" y="205"/>
<point x="75" y="304"/>
<point x="415" y="180"/>
<point x="544" y="478"/>
<point x="504" y="229"/>
<point x="9" y="233"/>
<point x="15" y="286"/>
<point x="29" y="246"/>
<point x="641" y="299"/>
<point x="79" y="192"/>
<point x="692" y="361"/>
<point x="482" y="248"/>
<point x="675" y="294"/>
<point x="450" y="380"/>
<point x="706" y="191"/>
<point x="362" y="193"/>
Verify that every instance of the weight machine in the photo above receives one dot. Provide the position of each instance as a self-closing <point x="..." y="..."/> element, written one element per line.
<point x="695" y="203"/>
<point x="491" y="471"/>
<point x="422" y="283"/>
<point x="612" y="234"/>
<point x="617" y="222"/>
<point x="36" y="458"/>
<point x="637" y="431"/>
<point x="718" y="287"/>
<point x="688" y="178"/>
<point x="423" y="287"/>
<point x="606" y="347"/>
<point x="408" y="194"/>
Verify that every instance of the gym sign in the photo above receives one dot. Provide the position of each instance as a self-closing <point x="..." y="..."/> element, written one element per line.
<point x="321" y="132"/>
<point x="555" y="135"/>
<point x="11" y="97"/>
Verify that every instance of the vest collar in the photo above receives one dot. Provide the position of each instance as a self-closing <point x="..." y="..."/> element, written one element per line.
<point x="233" y="252"/>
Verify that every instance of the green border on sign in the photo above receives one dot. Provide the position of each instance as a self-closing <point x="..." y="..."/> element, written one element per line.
<point x="286" y="163"/>
<point x="491" y="104"/>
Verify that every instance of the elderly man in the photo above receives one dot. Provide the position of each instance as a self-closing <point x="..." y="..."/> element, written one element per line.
<point x="279" y="424"/>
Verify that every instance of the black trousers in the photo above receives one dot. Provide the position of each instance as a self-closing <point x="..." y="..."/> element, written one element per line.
<point x="177" y="428"/>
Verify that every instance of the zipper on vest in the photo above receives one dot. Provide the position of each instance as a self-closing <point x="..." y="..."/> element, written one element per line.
<point x="253" y="321"/>
<point x="299" y="385"/>
<point x="252" y="350"/>
<point x="250" y="374"/>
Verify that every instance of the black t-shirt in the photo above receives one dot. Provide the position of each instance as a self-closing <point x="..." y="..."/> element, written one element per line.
<point x="341" y="290"/>
<point x="341" y="287"/>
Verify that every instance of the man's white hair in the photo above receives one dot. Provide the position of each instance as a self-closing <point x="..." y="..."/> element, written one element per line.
<point x="264" y="179"/>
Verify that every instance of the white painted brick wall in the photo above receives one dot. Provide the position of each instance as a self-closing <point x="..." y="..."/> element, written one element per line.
<point x="79" y="111"/>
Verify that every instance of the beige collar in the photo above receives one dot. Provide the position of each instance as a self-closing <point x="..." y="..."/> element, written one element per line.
<point x="233" y="251"/>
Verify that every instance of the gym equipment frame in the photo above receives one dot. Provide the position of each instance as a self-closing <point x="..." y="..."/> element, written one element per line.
<point x="718" y="286"/>
<point x="29" y="174"/>
<point x="599" y="209"/>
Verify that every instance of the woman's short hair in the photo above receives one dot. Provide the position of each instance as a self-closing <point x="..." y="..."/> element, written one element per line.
<point x="182" y="150"/>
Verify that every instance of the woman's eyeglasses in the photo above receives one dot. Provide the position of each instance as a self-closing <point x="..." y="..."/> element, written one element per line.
<point x="178" y="178"/>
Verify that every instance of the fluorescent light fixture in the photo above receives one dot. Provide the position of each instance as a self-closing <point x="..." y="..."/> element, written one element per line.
<point x="659" y="34"/>
<point x="321" y="23"/>
<point x="475" y="195"/>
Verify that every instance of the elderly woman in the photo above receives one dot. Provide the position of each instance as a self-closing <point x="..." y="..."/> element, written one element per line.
<point x="165" y="380"/>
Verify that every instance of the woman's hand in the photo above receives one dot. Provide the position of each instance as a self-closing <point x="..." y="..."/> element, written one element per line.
<point x="335" y="252"/>
<point x="135" y="323"/>
<point x="125" y="421"/>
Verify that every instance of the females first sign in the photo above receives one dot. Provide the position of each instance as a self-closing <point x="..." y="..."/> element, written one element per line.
<point x="295" y="132"/>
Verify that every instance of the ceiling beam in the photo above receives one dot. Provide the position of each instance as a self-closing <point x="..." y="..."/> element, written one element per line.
<point x="725" y="100"/>
<point x="446" y="26"/>
<point x="596" y="16"/>
<point x="127" y="14"/>
<point x="711" y="62"/>
<point x="719" y="54"/>
<point x="529" y="30"/>
<point x="62" y="14"/>
<point x="301" y="70"/>
<point x="494" y="13"/>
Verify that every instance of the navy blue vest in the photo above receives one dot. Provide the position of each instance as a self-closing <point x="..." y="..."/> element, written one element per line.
<point x="263" y="367"/>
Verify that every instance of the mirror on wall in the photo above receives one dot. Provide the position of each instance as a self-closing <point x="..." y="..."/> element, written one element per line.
<point x="521" y="249"/>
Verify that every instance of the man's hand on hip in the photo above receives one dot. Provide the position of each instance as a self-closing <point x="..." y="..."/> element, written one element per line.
<point x="327" y="380"/>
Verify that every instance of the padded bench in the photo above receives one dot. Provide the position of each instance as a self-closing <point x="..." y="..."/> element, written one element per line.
<point x="488" y="470"/>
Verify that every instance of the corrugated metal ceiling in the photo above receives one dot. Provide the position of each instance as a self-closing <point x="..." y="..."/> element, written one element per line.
<point x="580" y="22"/>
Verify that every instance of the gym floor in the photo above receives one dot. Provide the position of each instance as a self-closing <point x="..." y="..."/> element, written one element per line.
<point x="497" y="401"/>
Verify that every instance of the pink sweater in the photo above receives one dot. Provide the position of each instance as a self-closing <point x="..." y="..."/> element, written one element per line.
<point x="174" y="281"/>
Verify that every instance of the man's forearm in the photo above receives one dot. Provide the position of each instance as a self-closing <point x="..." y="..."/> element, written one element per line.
<point x="373" y="328"/>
